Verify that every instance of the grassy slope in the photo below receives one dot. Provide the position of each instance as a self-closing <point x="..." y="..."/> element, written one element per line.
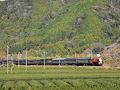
<point x="54" y="34"/>
<point x="91" y="31"/>
<point x="57" y="30"/>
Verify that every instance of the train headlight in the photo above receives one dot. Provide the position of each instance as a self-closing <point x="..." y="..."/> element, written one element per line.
<point x="100" y="61"/>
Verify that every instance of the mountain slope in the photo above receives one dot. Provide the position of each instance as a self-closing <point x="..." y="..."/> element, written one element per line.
<point x="62" y="27"/>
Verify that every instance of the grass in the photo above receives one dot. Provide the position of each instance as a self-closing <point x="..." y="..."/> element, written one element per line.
<point x="55" y="78"/>
<point x="78" y="84"/>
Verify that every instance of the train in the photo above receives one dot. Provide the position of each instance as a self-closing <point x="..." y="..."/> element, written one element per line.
<point x="96" y="61"/>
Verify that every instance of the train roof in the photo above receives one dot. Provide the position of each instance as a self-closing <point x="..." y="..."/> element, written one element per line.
<point x="71" y="58"/>
<point x="59" y="59"/>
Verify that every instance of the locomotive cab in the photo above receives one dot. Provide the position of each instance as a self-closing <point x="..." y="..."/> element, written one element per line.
<point x="97" y="60"/>
<point x="100" y="61"/>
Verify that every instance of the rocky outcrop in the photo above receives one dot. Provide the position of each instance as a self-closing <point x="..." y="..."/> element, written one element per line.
<point x="3" y="9"/>
<point x="114" y="2"/>
<point x="110" y="16"/>
<point x="18" y="8"/>
<point x="112" y="53"/>
<point x="78" y="21"/>
<point x="63" y="2"/>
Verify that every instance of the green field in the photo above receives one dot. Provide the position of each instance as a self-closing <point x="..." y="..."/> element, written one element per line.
<point x="63" y="78"/>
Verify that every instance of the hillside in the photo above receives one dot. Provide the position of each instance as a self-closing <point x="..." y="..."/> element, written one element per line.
<point x="60" y="27"/>
<point x="112" y="54"/>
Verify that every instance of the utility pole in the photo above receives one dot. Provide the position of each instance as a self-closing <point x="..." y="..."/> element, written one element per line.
<point x="59" y="62"/>
<point x="26" y="58"/>
<point x="7" y="58"/>
<point x="44" y="58"/>
<point x="18" y="58"/>
<point x="76" y="58"/>
<point x="12" y="64"/>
